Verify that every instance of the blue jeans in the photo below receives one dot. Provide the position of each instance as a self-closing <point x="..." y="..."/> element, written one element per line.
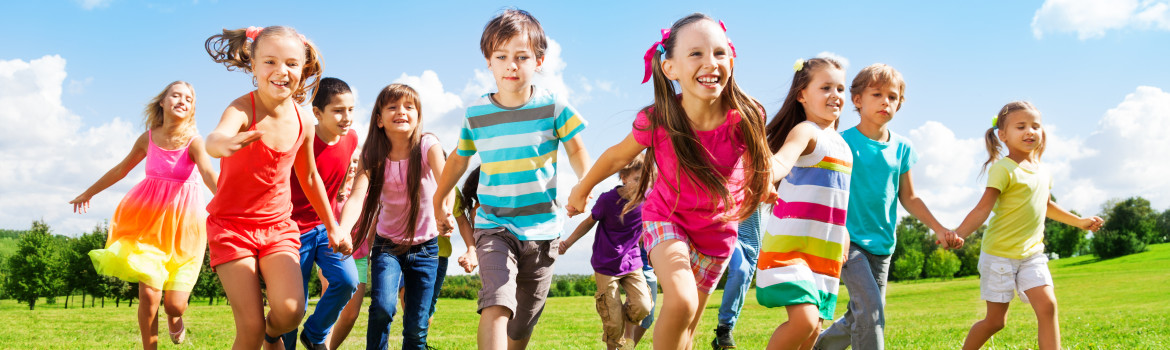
<point x="341" y="273"/>
<point x="652" y="283"/>
<point x="442" y="275"/>
<point x="418" y="267"/>
<point x="739" y="280"/>
<point x="864" y="322"/>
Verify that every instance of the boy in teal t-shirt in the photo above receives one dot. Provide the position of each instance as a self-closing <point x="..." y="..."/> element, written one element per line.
<point x="881" y="178"/>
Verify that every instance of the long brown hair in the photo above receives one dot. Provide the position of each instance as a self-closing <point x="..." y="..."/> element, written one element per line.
<point x="991" y="139"/>
<point x="667" y="112"/>
<point x="792" y="112"/>
<point x="234" y="51"/>
<point x="153" y="113"/>
<point x="376" y="152"/>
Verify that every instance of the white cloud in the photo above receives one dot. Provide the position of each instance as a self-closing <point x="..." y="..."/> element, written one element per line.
<point x="47" y="157"/>
<point x="840" y="59"/>
<point x="92" y="4"/>
<point x="1129" y="146"/>
<point x="1093" y="18"/>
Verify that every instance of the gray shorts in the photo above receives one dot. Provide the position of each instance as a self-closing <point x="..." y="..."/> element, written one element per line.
<point x="515" y="274"/>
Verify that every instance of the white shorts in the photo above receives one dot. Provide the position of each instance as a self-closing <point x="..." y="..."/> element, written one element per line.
<point x="1001" y="277"/>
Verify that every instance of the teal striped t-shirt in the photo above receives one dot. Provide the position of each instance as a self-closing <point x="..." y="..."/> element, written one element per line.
<point x="518" y="150"/>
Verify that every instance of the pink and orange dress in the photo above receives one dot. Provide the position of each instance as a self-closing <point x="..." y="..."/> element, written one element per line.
<point x="157" y="235"/>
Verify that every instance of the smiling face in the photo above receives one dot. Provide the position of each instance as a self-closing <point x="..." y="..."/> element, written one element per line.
<point x="179" y="102"/>
<point x="337" y="116"/>
<point x="513" y="64"/>
<point x="1022" y="132"/>
<point x="700" y="60"/>
<point x="277" y="65"/>
<point x="822" y="98"/>
<point x="398" y="117"/>
<point x="877" y="104"/>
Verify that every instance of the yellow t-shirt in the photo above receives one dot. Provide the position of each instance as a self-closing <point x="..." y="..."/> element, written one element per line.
<point x="444" y="241"/>
<point x="1017" y="229"/>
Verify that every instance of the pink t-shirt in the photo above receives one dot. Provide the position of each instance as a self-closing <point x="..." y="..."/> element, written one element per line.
<point x="395" y="201"/>
<point x="689" y="207"/>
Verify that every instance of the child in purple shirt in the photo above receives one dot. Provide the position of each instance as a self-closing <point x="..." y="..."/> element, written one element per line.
<point x="617" y="259"/>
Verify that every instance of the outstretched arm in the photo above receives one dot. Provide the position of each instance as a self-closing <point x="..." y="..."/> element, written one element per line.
<point x="1055" y="212"/>
<point x="117" y="173"/>
<point x="801" y="140"/>
<point x="305" y="167"/>
<point x="438" y="161"/>
<point x="578" y="156"/>
<point x="581" y="230"/>
<point x="915" y="206"/>
<point x="979" y="214"/>
<point x="452" y="171"/>
<point x="612" y="160"/>
<point x="227" y="137"/>
<point x="198" y="154"/>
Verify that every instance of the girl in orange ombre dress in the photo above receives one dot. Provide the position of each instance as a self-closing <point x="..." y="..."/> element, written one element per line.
<point x="158" y="236"/>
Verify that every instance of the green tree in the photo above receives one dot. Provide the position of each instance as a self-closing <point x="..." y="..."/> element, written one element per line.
<point x="208" y="285"/>
<point x="942" y="263"/>
<point x="1163" y="226"/>
<point x="969" y="254"/>
<point x="1064" y="240"/>
<point x="908" y="266"/>
<point x="1129" y="227"/>
<point x="32" y="269"/>
<point x="83" y="276"/>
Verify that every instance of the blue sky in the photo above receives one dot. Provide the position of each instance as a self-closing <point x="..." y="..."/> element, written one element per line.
<point x="75" y="75"/>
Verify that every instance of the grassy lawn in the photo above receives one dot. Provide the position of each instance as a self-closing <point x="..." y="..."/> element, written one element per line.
<point x="1122" y="303"/>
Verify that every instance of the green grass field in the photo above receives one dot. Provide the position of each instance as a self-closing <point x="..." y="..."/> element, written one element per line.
<point x="1122" y="303"/>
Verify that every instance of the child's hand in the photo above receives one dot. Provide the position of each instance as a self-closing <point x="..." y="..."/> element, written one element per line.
<point x="81" y="203"/>
<point x="1092" y="223"/>
<point x="443" y="216"/>
<point x="563" y="247"/>
<point x="469" y="261"/>
<point x="577" y="201"/>
<point x="771" y="196"/>
<point x="242" y="140"/>
<point x="340" y="243"/>
<point x="956" y="242"/>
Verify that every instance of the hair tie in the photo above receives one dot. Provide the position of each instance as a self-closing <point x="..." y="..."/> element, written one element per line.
<point x="655" y="49"/>
<point x="253" y="32"/>
<point x="721" y="25"/>
<point x="796" y="67"/>
<point x="995" y="122"/>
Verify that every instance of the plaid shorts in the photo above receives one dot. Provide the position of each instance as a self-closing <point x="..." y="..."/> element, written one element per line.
<point x="707" y="269"/>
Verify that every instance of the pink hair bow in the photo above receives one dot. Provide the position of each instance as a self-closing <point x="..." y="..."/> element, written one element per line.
<point x="253" y="32"/>
<point x="721" y="25"/>
<point x="655" y="49"/>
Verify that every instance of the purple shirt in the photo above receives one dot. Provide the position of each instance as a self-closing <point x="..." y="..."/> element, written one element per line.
<point x="615" y="243"/>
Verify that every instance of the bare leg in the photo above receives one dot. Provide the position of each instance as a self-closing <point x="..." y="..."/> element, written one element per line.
<point x="241" y="283"/>
<point x="493" y="327"/>
<point x="812" y="339"/>
<point x="985" y="328"/>
<point x="286" y="298"/>
<point x="635" y="332"/>
<point x="803" y="323"/>
<point x="148" y="299"/>
<point x="175" y="305"/>
<point x="680" y="303"/>
<point x="518" y="344"/>
<point x="347" y="318"/>
<point x="1043" y="300"/>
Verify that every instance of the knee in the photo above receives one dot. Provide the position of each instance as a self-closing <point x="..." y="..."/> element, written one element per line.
<point x="175" y="308"/>
<point x="381" y="310"/>
<point x="346" y="285"/>
<point x="287" y="318"/>
<point x="638" y="310"/>
<point x="806" y="325"/>
<point x="993" y="324"/>
<point x="685" y="305"/>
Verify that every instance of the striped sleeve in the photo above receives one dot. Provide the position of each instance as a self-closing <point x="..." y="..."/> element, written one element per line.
<point x="568" y="122"/>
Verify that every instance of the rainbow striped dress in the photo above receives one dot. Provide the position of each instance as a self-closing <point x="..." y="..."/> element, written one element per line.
<point x="804" y="244"/>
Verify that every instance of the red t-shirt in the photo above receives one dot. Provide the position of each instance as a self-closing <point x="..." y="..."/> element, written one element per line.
<point x="332" y="164"/>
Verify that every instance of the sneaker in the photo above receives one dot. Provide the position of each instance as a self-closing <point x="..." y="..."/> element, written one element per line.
<point x="723" y="338"/>
<point x="309" y="345"/>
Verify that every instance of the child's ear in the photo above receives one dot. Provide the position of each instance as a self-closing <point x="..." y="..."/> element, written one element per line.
<point x="856" y="100"/>
<point x="668" y="69"/>
<point x="539" y="61"/>
<point x="317" y="112"/>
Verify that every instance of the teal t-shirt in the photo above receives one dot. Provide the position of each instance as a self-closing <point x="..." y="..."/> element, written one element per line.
<point x="873" y="189"/>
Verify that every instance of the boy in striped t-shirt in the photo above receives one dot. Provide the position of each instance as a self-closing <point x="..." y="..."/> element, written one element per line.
<point x="516" y="132"/>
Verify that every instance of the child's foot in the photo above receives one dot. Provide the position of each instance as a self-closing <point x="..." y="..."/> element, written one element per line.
<point x="179" y="336"/>
<point x="723" y="338"/>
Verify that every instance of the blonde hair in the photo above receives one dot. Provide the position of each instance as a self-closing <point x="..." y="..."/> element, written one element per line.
<point x="667" y="113"/>
<point x="153" y="113"/>
<point x="234" y="51"/>
<point x="991" y="139"/>
<point x="878" y="75"/>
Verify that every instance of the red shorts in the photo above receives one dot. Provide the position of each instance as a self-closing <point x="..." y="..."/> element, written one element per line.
<point x="231" y="240"/>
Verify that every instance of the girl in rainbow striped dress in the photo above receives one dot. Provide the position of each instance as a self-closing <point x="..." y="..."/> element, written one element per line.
<point x="804" y="244"/>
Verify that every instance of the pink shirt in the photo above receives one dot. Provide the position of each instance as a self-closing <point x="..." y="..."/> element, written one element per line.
<point x="687" y="205"/>
<point x="395" y="201"/>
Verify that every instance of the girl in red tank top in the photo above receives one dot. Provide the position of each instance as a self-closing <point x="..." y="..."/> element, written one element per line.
<point x="261" y="138"/>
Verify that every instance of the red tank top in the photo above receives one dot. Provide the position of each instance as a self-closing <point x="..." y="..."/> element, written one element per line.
<point x="254" y="182"/>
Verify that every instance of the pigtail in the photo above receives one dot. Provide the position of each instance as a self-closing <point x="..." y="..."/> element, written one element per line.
<point x="231" y="48"/>
<point x="993" y="146"/>
<point x="311" y="73"/>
